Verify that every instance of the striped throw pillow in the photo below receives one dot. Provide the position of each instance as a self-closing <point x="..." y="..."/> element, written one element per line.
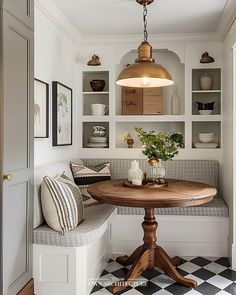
<point x="61" y="204"/>
<point x="84" y="176"/>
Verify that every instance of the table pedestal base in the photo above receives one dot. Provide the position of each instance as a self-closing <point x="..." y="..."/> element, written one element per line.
<point x="148" y="256"/>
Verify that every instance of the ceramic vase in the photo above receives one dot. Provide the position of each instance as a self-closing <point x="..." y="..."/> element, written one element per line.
<point x="135" y="174"/>
<point x="206" y="82"/>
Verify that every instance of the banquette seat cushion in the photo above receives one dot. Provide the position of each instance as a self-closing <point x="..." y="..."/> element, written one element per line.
<point x="205" y="171"/>
<point x="96" y="218"/>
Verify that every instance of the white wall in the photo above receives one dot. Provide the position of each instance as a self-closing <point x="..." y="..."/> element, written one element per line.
<point x="55" y="60"/>
<point x="228" y="157"/>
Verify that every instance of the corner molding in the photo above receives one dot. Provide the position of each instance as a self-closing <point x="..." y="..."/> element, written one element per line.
<point x="228" y="18"/>
<point x="136" y="39"/>
<point x="55" y="15"/>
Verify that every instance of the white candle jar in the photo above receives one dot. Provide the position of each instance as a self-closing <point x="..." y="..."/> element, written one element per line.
<point x="135" y="174"/>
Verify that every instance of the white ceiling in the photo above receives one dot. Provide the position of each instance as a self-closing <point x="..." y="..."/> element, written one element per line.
<point x="122" y="17"/>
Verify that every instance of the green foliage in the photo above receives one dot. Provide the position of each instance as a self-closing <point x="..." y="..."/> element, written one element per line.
<point x="161" y="146"/>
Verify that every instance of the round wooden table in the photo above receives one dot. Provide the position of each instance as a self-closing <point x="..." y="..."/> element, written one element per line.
<point x="178" y="193"/>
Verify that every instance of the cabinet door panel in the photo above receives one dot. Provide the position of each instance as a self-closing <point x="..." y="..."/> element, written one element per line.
<point x="22" y="10"/>
<point x="17" y="100"/>
<point x="16" y="202"/>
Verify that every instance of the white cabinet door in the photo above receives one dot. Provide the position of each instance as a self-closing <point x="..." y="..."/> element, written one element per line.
<point x="23" y="10"/>
<point x="16" y="153"/>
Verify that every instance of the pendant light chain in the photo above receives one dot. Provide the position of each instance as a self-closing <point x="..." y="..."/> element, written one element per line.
<point x="145" y="12"/>
<point x="144" y="73"/>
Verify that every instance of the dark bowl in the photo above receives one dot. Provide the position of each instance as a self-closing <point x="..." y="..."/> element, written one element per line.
<point x="97" y="85"/>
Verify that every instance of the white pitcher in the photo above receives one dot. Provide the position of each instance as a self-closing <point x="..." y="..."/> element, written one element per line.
<point x="99" y="109"/>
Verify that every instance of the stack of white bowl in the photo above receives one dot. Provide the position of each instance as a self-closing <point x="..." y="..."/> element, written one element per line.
<point x="206" y="141"/>
<point x="205" y="112"/>
<point x="98" y="142"/>
<point x="206" y="137"/>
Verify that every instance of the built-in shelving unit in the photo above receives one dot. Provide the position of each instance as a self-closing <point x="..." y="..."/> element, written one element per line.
<point x="189" y="122"/>
<point x="94" y="97"/>
<point x="210" y="123"/>
<point x="90" y="97"/>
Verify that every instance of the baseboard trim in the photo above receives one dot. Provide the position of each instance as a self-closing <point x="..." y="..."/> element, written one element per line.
<point x="233" y="264"/>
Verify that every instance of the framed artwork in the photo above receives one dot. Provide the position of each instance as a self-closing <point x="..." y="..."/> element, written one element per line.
<point x="41" y="102"/>
<point x="61" y="114"/>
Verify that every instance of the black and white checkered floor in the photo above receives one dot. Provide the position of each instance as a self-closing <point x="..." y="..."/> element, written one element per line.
<point x="213" y="276"/>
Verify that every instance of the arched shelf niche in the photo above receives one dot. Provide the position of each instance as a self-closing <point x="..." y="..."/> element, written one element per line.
<point x="169" y="60"/>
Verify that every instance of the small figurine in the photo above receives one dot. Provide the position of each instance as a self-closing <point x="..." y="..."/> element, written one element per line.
<point x="95" y="61"/>
<point x="128" y="138"/>
<point x="206" y="58"/>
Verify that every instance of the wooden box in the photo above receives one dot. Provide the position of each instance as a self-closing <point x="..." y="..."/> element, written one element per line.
<point x="142" y="101"/>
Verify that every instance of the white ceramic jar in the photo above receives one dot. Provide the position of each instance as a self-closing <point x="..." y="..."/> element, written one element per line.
<point x="135" y="174"/>
<point x="206" y="82"/>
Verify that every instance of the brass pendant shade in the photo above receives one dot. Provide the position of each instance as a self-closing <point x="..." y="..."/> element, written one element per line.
<point x="145" y="72"/>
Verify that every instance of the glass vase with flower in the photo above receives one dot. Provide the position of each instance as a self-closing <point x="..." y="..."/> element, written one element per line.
<point x="158" y="148"/>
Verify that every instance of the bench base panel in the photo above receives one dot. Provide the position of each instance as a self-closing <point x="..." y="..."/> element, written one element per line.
<point x="70" y="270"/>
<point x="190" y="235"/>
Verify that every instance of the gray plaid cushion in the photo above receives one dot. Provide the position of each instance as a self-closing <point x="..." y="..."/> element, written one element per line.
<point x="96" y="220"/>
<point x="204" y="171"/>
<point x="216" y="207"/>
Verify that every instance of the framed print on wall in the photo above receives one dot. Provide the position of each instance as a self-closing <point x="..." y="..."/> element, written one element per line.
<point x="61" y="114"/>
<point x="41" y="101"/>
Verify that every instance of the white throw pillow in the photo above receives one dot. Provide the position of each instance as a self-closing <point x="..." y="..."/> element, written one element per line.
<point x="62" y="203"/>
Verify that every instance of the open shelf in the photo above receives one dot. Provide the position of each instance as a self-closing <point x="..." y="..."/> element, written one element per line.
<point x="168" y="127"/>
<point x="88" y="131"/>
<point x="206" y="127"/>
<point x="215" y="73"/>
<point x="94" y="97"/>
<point x="95" y="75"/>
<point x="150" y="118"/>
<point x="206" y="91"/>
<point x="210" y="97"/>
<point x="96" y="93"/>
<point x="203" y="97"/>
<point x="88" y="100"/>
<point x="171" y="62"/>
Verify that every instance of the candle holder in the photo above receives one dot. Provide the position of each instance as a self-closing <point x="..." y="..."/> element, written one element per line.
<point x="128" y="138"/>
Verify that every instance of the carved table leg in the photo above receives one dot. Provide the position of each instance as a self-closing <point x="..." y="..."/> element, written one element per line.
<point x="137" y="268"/>
<point x="148" y="256"/>
<point x="164" y="262"/>
<point x="127" y="260"/>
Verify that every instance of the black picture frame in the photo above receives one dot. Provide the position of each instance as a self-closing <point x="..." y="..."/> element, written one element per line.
<point x="62" y="114"/>
<point x="37" y="108"/>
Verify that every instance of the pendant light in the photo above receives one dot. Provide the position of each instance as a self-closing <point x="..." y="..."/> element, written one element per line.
<point x="145" y="72"/>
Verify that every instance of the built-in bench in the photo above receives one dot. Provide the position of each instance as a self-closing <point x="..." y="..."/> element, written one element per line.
<point x="70" y="263"/>
<point x="62" y="264"/>
<point x="199" y="230"/>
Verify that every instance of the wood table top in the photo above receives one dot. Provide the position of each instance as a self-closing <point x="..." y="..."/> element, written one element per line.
<point x="178" y="193"/>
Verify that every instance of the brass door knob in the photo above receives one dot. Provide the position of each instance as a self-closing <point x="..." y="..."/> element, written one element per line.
<point x="7" y="177"/>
